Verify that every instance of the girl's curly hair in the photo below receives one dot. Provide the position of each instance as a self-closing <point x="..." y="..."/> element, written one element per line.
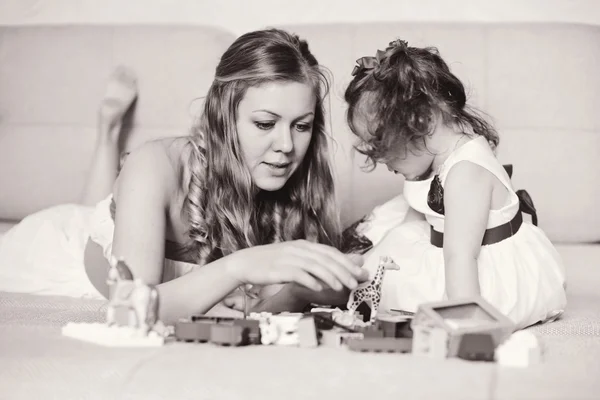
<point x="398" y="96"/>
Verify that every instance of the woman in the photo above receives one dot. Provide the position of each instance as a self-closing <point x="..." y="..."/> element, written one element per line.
<point x="246" y="199"/>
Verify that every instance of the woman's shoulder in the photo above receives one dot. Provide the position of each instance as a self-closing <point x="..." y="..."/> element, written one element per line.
<point x="158" y="162"/>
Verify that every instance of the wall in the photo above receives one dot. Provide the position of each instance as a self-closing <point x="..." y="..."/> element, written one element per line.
<point x="240" y="16"/>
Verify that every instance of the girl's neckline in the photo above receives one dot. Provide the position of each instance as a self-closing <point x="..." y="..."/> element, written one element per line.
<point x="457" y="150"/>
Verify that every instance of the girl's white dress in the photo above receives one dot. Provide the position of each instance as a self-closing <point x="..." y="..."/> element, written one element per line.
<point x="523" y="276"/>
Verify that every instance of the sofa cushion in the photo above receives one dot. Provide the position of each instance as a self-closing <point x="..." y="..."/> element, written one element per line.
<point x="52" y="80"/>
<point x="543" y="101"/>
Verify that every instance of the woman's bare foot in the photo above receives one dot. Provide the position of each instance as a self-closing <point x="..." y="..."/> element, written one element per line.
<point x="121" y="91"/>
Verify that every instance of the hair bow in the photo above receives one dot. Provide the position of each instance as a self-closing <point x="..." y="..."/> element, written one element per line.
<point x="368" y="63"/>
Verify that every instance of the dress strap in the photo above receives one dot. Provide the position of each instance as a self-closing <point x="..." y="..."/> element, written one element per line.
<point x="478" y="151"/>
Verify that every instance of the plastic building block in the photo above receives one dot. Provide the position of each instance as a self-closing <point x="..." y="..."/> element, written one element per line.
<point x="431" y="342"/>
<point x="373" y="332"/>
<point x="111" y="336"/>
<point x="279" y="329"/>
<point x="398" y="327"/>
<point x="251" y="328"/>
<point x="387" y="344"/>
<point x="457" y="318"/>
<point x="193" y="331"/>
<point x="202" y="317"/>
<point x="520" y="350"/>
<point x="476" y="347"/>
<point x="338" y="337"/>
<point x="229" y="335"/>
<point x="323" y="320"/>
<point x="199" y="328"/>
<point x="308" y="335"/>
<point x="438" y="343"/>
<point x="287" y="327"/>
<point x="326" y="323"/>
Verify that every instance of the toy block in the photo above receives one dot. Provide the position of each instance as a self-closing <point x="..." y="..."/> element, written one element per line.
<point x="380" y="345"/>
<point x="476" y="347"/>
<point x="307" y="332"/>
<point x="338" y="337"/>
<point x="457" y="318"/>
<point x="323" y="320"/>
<point x="189" y="331"/>
<point x="430" y="342"/>
<point x="217" y="320"/>
<point x="279" y="329"/>
<point x="373" y="331"/>
<point x="327" y="323"/>
<point x="438" y="343"/>
<point x="395" y="327"/>
<point x="287" y="326"/>
<point x="111" y="336"/>
<point x="520" y="350"/>
<point x="253" y="327"/>
<point x="229" y="335"/>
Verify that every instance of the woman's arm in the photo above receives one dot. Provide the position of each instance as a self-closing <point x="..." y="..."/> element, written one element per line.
<point x="467" y="203"/>
<point x="293" y="297"/>
<point x="143" y="192"/>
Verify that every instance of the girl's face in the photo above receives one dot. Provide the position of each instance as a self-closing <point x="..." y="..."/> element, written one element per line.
<point x="414" y="162"/>
<point x="274" y="125"/>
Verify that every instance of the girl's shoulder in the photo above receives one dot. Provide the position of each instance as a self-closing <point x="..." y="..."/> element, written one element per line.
<point x="476" y="151"/>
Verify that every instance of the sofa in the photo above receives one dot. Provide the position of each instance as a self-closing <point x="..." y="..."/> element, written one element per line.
<point x="538" y="83"/>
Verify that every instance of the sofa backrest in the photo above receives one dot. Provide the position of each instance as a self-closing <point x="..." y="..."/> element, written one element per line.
<point x="538" y="83"/>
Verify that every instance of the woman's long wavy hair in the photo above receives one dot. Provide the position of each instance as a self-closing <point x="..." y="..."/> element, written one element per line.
<point x="399" y="95"/>
<point x="225" y="209"/>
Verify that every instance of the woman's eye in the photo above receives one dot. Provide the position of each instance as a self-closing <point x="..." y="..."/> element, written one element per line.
<point x="303" y="127"/>
<point x="265" y="126"/>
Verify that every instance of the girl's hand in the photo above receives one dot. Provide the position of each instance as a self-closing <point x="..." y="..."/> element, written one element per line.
<point x="308" y="264"/>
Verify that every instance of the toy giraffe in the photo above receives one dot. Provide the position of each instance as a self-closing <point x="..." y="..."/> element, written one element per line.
<point x="370" y="292"/>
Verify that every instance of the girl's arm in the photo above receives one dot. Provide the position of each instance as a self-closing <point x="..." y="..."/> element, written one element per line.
<point x="142" y="194"/>
<point x="467" y="203"/>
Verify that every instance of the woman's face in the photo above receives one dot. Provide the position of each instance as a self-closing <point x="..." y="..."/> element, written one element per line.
<point x="274" y="125"/>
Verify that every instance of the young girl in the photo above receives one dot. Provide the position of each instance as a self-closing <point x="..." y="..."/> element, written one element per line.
<point x="246" y="199"/>
<point x="410" y="114"/>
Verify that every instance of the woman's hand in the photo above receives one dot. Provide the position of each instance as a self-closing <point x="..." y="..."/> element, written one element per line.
<point x="291" y="297"/>
<point x="311" y="265"/>
<point x="329" y="297"/>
